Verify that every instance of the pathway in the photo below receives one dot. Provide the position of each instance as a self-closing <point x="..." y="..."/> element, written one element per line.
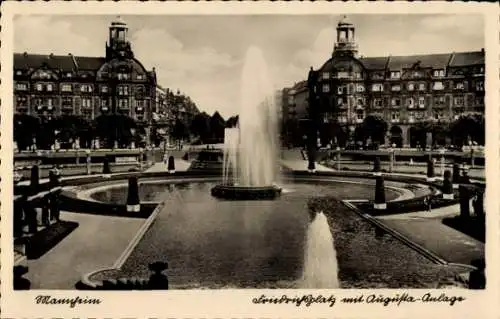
<point x="180" y="166"/>
<point x="96" y="243"/>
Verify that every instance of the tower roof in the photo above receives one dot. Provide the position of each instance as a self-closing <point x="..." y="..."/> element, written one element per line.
<point x="344" y="22"/>
<point x="119" y="22"/>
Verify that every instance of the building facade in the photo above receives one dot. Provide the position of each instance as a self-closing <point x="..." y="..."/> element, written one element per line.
<point x="403" y="90"/>
<point x="48" y="86"/>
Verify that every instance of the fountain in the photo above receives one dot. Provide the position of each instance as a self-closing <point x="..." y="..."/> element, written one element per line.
<point x="320" y="263"/>
<point x="250" y="149"/>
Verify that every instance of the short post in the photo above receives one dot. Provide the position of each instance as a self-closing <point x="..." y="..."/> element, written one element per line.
<point x="464" y="197"/>
<point x="89" y="162"/>
<point x="133" y="202"/>
<point x="447" y="186"/>
<point x="34" y="179"/>
<point x="337" y="163"/>
<point x="442" y="162"/>
<point x="430" y="170"/>
<point x="171" y="164"/>
<point x="141" y="155"/>
<point x="391" y="160"/>
<point x="379" y="203"/>
<point x="376" y="167"/>
<point x="456" y="175"/>
<point x="105" y="167"/>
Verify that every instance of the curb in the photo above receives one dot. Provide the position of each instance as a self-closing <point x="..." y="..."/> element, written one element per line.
<point x="424" y="251"/>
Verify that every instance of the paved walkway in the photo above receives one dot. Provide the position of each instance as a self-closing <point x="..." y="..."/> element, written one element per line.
<point x="180" y="166"/>
<point x="96" y="243"/>
<point x="301" y="165"/>
<point x="427" y="230"/>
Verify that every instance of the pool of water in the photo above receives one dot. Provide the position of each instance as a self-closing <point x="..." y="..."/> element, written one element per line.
<point x="243" y="244"/>
<point x="158" y="191"/>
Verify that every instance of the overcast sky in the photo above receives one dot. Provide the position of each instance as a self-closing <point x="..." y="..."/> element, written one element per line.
<point x="203" y="55"/>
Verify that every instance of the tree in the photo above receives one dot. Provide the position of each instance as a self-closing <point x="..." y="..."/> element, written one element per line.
<point x="26" y="128"/>
<point x="200" y="126"/>
<point x="115" y="127"/>
<point x="217" y="126"/>
<point x="179" y="131"/>
<point x="468" y="127"/>
<point x="374" y="127"/>
<point x="232" y="121"/>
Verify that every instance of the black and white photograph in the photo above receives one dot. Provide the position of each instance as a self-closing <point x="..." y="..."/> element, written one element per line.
<point x="249" y="153"/>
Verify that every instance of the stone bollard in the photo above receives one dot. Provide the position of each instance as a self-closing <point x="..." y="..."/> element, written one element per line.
<point x="478" y="203"/>
<point x="456" y="175"/>
<point x="376" y="167"/>
<point x="171" y="164"/>
<point x="464" y="197"/>
<point x="337" y="163"/>
<point x="105" y="168"/>
<point x="430" y="170"/>
<point x="379" y="203"/>
<point x="89" y="162"/>
<point x="392" y="160"/>
<point x="34" y="179"/>
<point x="477" y="278"/>
<point x="133" y="202"/>
<point x="158" y="281"/>
<point x="447" y="186"/>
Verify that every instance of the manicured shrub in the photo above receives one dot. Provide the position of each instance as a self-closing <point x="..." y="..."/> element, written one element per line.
<point x="456" y="175"/>
<point x="106" y="169"/>
<point x="430" y="170"/>
<point x="133" y="202"/>
<point x="379" y="194"/>
<point x="447" y="185"/>
<point x="35" y="179"/>
<point x="171" y="164"/>
<point x="376" y="166"/>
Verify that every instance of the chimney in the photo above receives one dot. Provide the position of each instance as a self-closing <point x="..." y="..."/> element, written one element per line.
<point x="482" y="50"/>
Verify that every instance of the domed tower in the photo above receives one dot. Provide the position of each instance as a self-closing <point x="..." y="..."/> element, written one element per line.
<point x="346" y="44"/>
<point x="118" y="45"/>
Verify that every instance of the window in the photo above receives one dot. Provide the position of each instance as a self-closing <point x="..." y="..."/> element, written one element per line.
<point x="66" y="88"/>
<point x="377" y="87"/>
<point x="459" y="85"/>
<point x="290" y="100"/>
<point x="438" y="115"/>
<point x="67" y="102"/>
<point x="417" y="74"/>
<point x="395" y="116"/>
<point x="86" y="88"/>
<point x="377" y="103"/>
<point x="395" y="74"/>
<point x="410" y="102"/>
<point x="438" y="86"/>
<point x="39" y="87"/>
<point x="342" y="74"/>
<point x="123" y="90"/>
<point x="342" y="101"/>
<point x="357" y="75"/>
<point x="395" y="102"/>
<point x="396" y="87"/>
<point x="49" y="87"/>
<point x="421" y="102"/>
<point x="22" y="101"/>
<point x="479" y="101"/>
<point x="123" y="103"/>
<point x="360" y="116"/>
<point x="326" y="88"/>
<point x="86" y="102"/>
<point x="18" y="72"/>
<point x="104" y="103"/>
<point x="411" y="117"/>
<point x="341" y="90"/>
<point x="421" y="86"/>
<point x="326" y="75"/>
<point x="21" y="86"/>
<point x="140" y="105"/>
<point x="479" y="86"/>
<point x="411" y="86"/>
<point x="439" y="101"/>
<point x="104" y="89"/>
<point x="140" y="77"/>
<point x="342" y="117"/>
<point x="49" y="104"/>
<point x="438" y="73"/>
<point x="458" y="101"/>
<point x="360" y="88"/>
<point x="360" y="102"/>
<point x="69" y="75"/>
<point x="122" y="76"/>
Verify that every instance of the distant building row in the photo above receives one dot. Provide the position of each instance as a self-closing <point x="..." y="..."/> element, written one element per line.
<point x="402" y="89"/>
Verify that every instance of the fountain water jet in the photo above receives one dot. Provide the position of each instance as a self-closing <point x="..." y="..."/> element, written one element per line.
<point x="320" y="262"/>
<point x="250" y="149"/>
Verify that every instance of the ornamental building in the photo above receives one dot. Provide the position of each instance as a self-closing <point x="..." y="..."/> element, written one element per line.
<point x="403" y="90"/>
<point x="47" y="86"/>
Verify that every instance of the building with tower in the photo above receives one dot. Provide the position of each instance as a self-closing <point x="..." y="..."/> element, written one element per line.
<point x="403" y="90"/>
<point x="47" y="86"/>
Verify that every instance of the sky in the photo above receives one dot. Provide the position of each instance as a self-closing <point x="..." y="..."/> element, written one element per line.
<point x="203" y="56"/>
